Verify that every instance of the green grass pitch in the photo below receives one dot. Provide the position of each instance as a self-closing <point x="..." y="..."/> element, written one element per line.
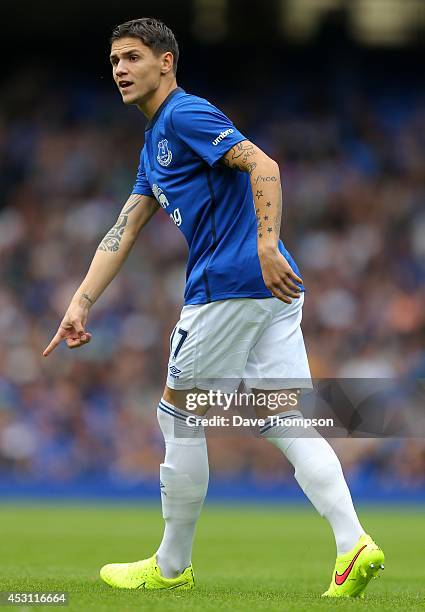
<point x="245" y="557"/>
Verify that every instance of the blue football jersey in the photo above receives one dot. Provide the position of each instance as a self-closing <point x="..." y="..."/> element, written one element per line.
<point x="210" y="203"/>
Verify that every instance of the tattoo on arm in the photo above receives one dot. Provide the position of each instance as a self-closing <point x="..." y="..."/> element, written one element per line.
<point x="259" y="222"/>
<point x="237" y="158"/>
<point x="265" y="179"/>
<point x="251" y="167"/>
<point x="86" y="297"/>
<point x="272" y="222"/>
<point x="271" y="216"/>
<point x="243" y="157"/>
<point x="112" y="240"/>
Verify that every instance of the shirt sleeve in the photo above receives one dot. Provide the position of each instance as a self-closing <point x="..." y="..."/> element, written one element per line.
<point x="141" y="186"/>
<point x="205" y="129"/>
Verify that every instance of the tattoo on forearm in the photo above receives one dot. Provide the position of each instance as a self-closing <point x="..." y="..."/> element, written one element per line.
<point x="240" y="157"/>
<point x="265" y="179"/>
<point x="273" y="221"/>
<point x="112" y="240"/>
<point x="86" y="297"/>
<point x="278" y="218"/>
<point x="259" y="223"/>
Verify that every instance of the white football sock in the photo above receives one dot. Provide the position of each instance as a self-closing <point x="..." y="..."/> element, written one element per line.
<point x="184" y="483"/>
<point x="319" y="474"/>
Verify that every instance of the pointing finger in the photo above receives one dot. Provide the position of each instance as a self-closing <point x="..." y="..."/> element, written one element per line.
<point x="56" y="340"/>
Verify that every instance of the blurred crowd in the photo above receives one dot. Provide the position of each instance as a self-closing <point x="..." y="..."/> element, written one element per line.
<point x="353" y="177"/>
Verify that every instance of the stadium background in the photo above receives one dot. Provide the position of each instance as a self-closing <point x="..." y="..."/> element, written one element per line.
<point x="332" y="91"/>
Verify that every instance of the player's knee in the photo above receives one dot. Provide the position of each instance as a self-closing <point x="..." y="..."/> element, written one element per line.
<point x="175" y="397"/>
<point x="184" y="400"/>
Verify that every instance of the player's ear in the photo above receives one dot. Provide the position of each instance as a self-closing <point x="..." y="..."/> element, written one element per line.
<point x="167" y="60"/>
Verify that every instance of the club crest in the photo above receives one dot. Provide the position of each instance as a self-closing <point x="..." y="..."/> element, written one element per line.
<point x="165" y="155"/>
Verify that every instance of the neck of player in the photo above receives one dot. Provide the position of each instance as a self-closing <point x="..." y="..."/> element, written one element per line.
<point x="150" y="105"/>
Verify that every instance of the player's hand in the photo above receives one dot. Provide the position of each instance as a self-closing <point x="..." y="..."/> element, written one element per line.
<point x="278" y="276"/>
<point x="72" y="329"/>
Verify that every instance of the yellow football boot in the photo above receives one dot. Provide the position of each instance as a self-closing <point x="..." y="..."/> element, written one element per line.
<point x="354" y="569"/>
<point x="144" y="575"/>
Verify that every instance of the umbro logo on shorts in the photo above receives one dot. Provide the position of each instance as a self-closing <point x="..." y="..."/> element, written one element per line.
<point x="174" y="371"/>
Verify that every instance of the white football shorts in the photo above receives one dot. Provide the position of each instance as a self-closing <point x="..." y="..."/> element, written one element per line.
<point x="257" y="341"/>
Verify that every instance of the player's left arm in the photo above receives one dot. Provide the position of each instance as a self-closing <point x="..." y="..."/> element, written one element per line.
<point x="264" y="174"/>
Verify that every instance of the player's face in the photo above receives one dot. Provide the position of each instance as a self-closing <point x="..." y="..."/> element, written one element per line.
<point x="135" y="68"/>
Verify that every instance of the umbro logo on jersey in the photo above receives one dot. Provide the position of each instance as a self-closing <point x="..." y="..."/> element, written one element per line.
<point x="174" y="371"/>
<point x="222" y="136"/>
<point x="165" y="155"/>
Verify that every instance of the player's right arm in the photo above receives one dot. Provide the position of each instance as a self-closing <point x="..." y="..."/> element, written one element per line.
<point x="107" y="261"/>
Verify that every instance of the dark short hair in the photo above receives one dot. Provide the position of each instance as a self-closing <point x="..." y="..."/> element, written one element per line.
<point x="153" y="33"/>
